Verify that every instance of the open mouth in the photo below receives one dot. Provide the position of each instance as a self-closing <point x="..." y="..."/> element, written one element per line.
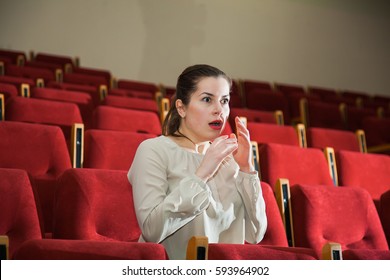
<point x="217" y="124"/>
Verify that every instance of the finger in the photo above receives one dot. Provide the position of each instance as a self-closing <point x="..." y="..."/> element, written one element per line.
<point x="245" y="136"/>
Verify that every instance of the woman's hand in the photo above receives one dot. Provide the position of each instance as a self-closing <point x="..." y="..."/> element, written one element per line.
<point x="221" y="148"/>
<point x="243" y="155"/>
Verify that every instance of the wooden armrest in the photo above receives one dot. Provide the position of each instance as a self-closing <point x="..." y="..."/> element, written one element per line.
<point x="197" y="248"/>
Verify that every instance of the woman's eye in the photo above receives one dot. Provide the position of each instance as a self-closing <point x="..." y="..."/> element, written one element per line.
<point x="206" y="99"/>
<point x="225" y="101"/>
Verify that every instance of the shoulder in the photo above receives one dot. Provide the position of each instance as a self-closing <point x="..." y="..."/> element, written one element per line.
<point x="158" y="144"/>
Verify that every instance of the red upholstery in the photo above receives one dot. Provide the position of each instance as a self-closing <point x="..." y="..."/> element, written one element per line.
<point x="43" y="64"/>
<point x="275" y="234"/>
<point x="43" y="111"/>
<point x="91" y="90"/>
<point x="13" y="54"/>
<point x="267" y="100"/>
<point x="366" y="254"/>
<point x="110" y="118"/>
<point x="324" y="115"/>
<point x="54" y="58"/>
<point x="18" y="212"/>
<point x="30" y="72"/>
<point x="105" y="149"/>
<point x="273" y="133"/>
<point x="17" y="81"/>
<point x="138" y="86"/>
<point x="377" y="131"/>
<point x="355" y="117"/>
<point x="332" y="214"/>
<point x="94" y="72"/>
<point x="81" y="99"/>
<point x="9" y="90"/>
<point x="131" y="93"/>
<point x="57" y="249"/>
<point x="337" y="139"/>
<point x="221" y="251"/>
<point x="252" y="115"/>
<point x="250" y="85"/>
<point x="299" y="165"/>
<point x="131" y="103"/>
<point x="368" y="171"/>
<point x="371" y="172"/>
<point x="95" y="204"/>
<point x="85" y="79"/>
<point x="40" y="150"/>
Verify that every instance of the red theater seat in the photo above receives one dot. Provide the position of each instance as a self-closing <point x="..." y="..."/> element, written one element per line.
<point x="332" y="214"/>
<point x="274" y="117"/>
<point x="9" y="90"/>
<point x="95" y="204"/>
<point x="41" y="150"/>
<point x="272" y="133"/>
<point x="106" y="149"/>
<point x="131" y="103"/>
<point x="58" y="249"/>
<point x="18" y="211"/>
<point x="111" y="118"/>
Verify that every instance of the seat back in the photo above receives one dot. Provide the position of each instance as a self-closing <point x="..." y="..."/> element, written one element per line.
<point x="110" y="118"/>
<point x="337" y="139"/>
<point x="264" y="133"/>
<point x="41" y="150"/>
<point x="18" y="211"/>
<point x="298" y="165"/>
<point x="329" y="214"/>
<point x="106" y="149"/>
<point x="131" y="103"/>
<point x="95" y="204"/>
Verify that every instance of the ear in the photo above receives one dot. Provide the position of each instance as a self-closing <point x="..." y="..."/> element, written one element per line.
<point x="180" y="107"/>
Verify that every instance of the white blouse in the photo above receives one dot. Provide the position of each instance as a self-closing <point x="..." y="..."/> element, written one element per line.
<point x="172" y="204"/>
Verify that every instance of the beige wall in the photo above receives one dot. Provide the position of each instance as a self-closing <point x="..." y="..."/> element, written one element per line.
<point x="341" y="44"/>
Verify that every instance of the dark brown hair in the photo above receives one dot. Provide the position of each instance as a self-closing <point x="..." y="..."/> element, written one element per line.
<point x="186" y="85"/>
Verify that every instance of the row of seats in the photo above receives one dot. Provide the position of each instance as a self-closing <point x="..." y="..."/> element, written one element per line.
<point x="300" y="166"/>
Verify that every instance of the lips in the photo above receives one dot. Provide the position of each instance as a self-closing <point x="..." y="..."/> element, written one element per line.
<point x="216" y="124"/>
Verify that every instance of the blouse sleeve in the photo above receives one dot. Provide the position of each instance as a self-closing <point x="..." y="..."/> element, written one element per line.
<point x="248" y="185"/>
<point x="159" y="211"/>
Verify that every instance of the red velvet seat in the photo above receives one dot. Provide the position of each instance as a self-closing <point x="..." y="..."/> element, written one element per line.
<point x="333" y="214"/>
<point x="9" y="90"/>
<point x="81" y="99"/>
<point x="91" y="90"/>
<point x="268" y="100"/>
<point x="18" y="211"/>
<point x="95" y="204"/>
<point x="55" y="58"/>
<point x="17" y="57"/>
<point x="42" y="111"/>
<point x="298" y="165"/>
<point x="321" y="114"/>
<point x="131" y="103"/>
<point x="355" y="117"/>
<point x="95" y="72"/>
<point x="58" y="249"/>
<point x="85" y="79"/>
<point x="377" y="134"/>
<point x="337" y="139"/>
<point x="141" y="86"/>
<point x="254" y="116"/>
<point x="370" y="172"/>
<point x="30" y="73"/>
<point x="272" y="133"/>
<point x="111" y="118"/>
<point x="106" y="149"/>
<point x="41" y="150"/>
<point x="131" y="93"/>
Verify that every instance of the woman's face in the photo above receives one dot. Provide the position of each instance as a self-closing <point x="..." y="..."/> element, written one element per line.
<point x="205" y="117"/>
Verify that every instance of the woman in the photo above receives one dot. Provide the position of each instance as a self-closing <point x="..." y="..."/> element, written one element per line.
<point x="193" y="181"/>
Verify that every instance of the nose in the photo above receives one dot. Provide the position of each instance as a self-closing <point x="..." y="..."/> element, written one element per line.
<point x="217" y="110"/>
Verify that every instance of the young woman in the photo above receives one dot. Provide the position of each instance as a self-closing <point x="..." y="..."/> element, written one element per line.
<point x="193" y="180"/>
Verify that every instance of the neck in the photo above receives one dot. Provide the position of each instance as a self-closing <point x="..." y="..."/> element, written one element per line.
<point x="196" y="146"/>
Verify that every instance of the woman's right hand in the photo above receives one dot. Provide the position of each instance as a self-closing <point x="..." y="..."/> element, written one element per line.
<point x="221" y="148"/>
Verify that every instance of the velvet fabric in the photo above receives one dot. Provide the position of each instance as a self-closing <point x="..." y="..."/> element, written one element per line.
<point x="368" y="171"/>
<point x="58" y="249"/>
<point x="137" y="85"/>
<point x="94" y="72"/>
<point x="53" y="58"/>
<point x="131" y="93"/>
<point x="131" y="103"/>
<point x="299" y="165"/>
<point x="40" y="150"/>
<point x="366" y="254"/>
<point x="219" y="251"/>
<point x="17" y="81"/>
<point x="30" y="72"/>
<point x="337" y="139"/>
<point x="377" y="131"/>
<point x="355" y="116"/>
<point x="272" y="133"/>
<point x="268" y="100"/>
<point x="8" y="90"/>
<point x="18" y="212"/>
<point x="93" y="91"/>
<point x="94" y="204"/>
<point x="275" y="234"/>
<point x="109" y="149"/>
<point x="252" y="115"/>
<point x="81" y="99"/>
<point x="324" y="214"/>
<point x="384" y="214"/>
<point x="111" y="118"/>
<point x="326" y="115"/>
<point x="84" y="79"/>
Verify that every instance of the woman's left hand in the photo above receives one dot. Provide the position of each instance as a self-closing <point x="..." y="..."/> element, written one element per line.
<point x="243" y="154"/>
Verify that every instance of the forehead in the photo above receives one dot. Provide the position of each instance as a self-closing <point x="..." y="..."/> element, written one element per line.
<point x="213" y="85"/>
